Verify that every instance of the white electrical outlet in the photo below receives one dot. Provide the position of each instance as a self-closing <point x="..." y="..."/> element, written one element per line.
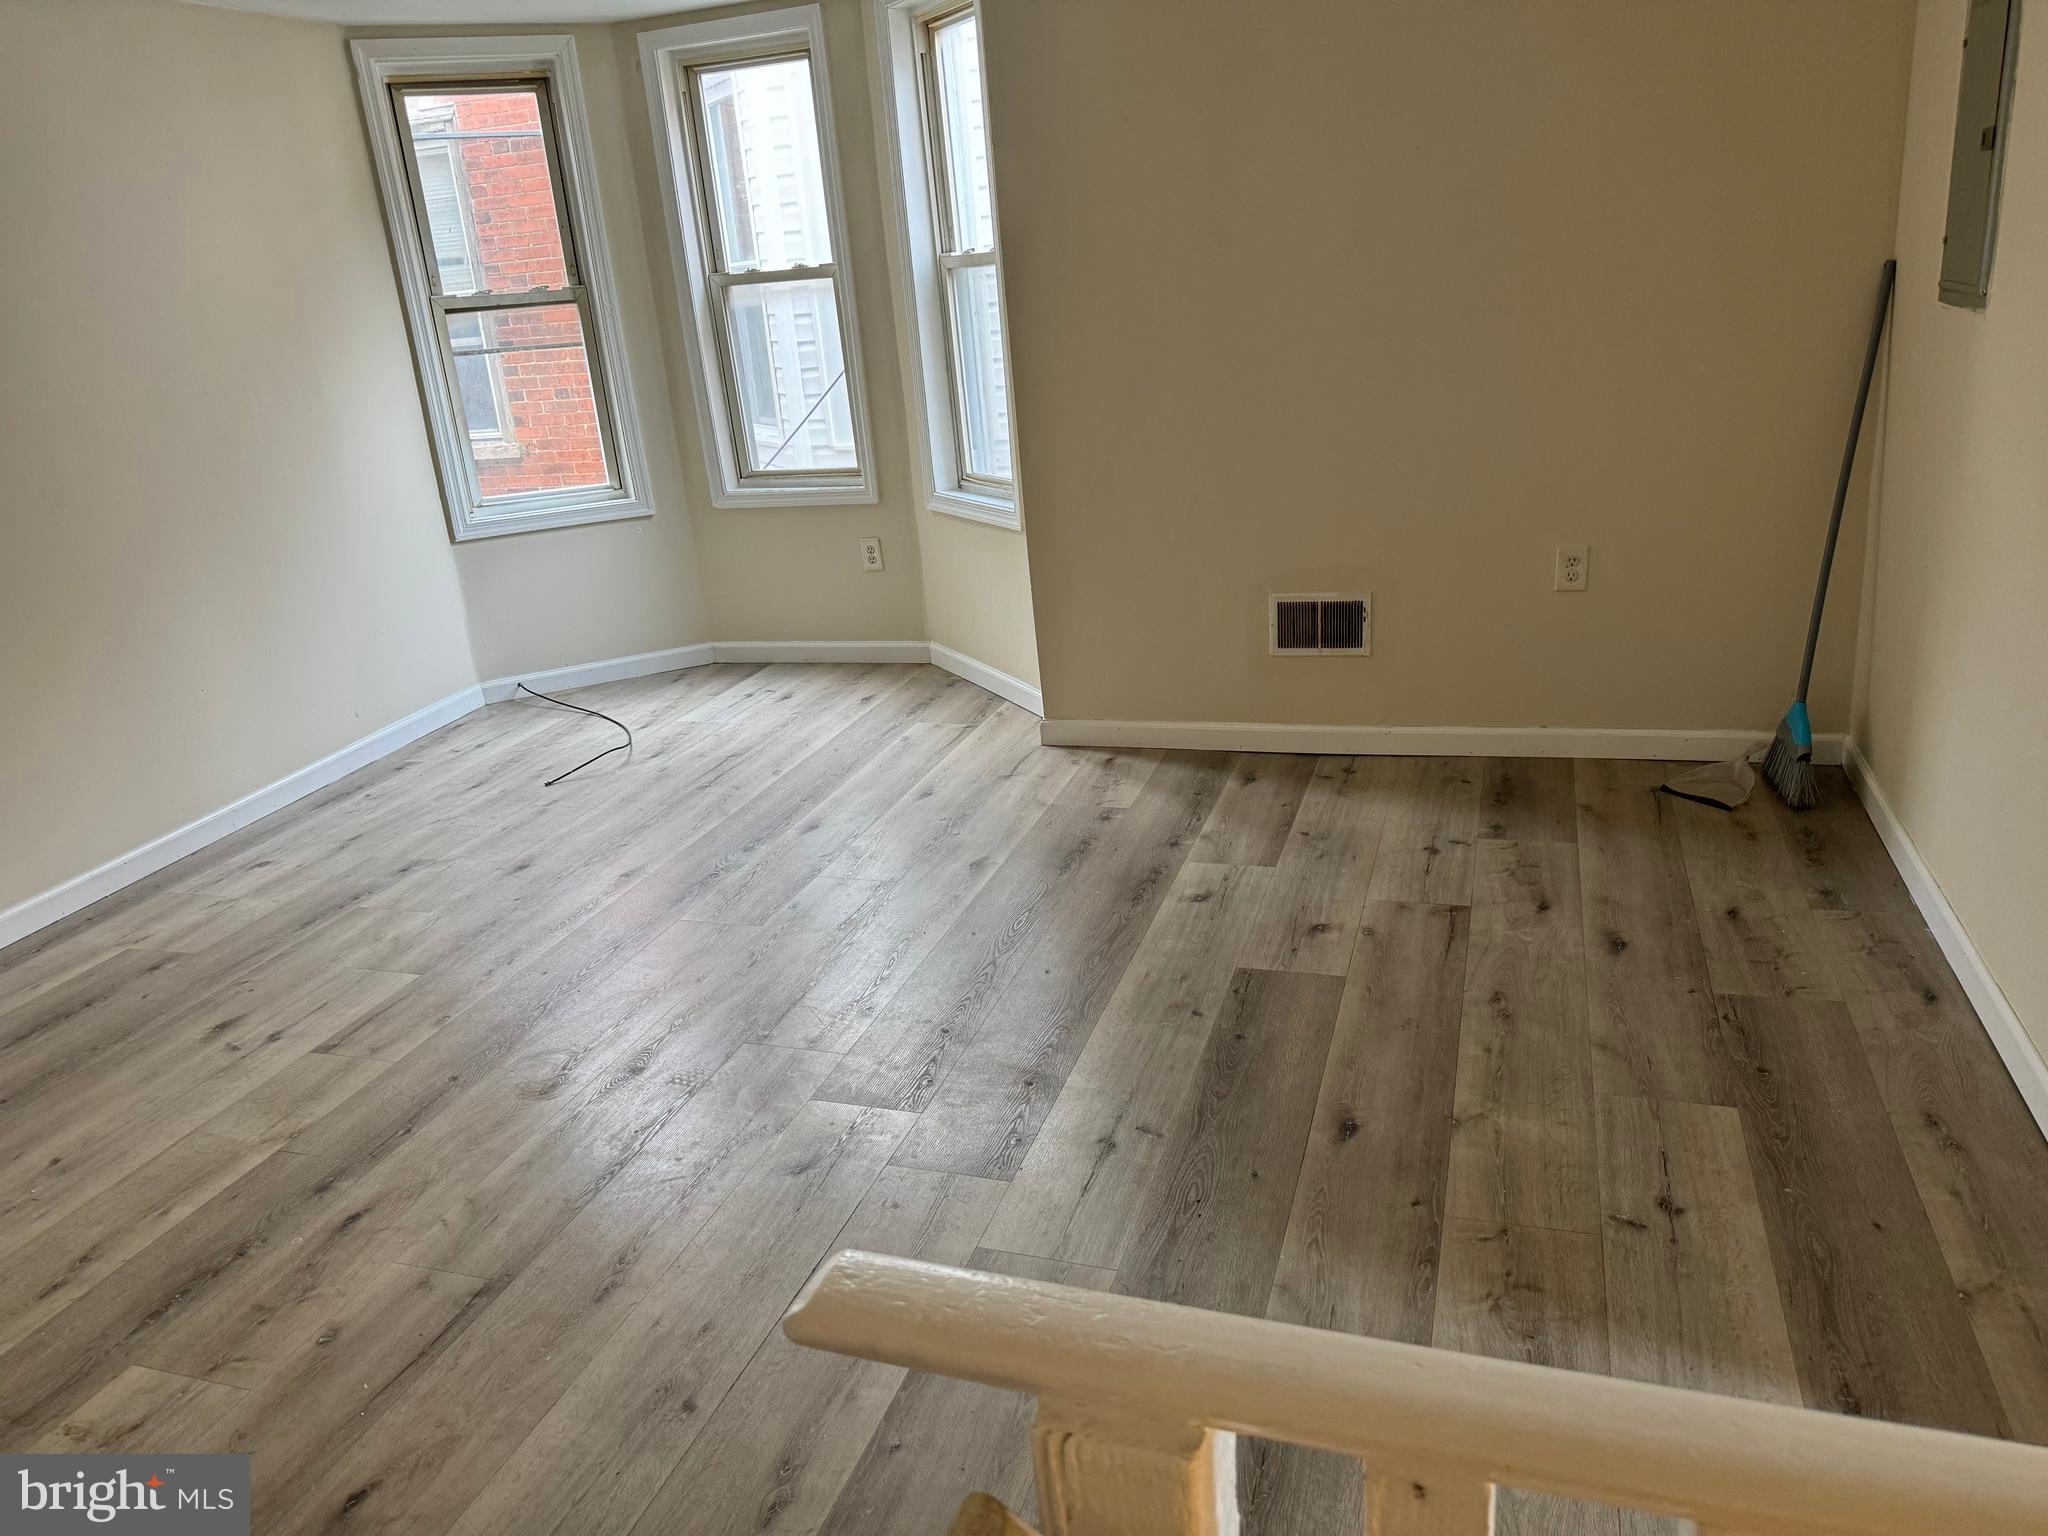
<point x="871" y="554"/>
<point x="1571" y="567"/>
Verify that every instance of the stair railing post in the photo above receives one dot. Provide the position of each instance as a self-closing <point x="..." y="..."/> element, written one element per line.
<point x="1119" y="1476"/>
<point x="1426" y="1503"/>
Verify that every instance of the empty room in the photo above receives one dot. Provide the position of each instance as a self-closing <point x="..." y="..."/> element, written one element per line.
<point x="1023" y="767"/>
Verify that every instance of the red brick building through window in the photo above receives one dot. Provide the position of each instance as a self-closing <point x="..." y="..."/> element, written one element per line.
<point x="528" y="404"/>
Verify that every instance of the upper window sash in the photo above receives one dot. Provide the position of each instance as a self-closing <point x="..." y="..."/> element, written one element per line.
<point x="942" y="135"/>
<point x="772" y="335"/>
<point x="508" y="470"/>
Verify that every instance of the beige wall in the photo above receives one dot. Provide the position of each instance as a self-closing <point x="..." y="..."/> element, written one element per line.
<point x="569" y="595"/>
<point x="222" y="554"/>
<point x="1953" y="715"/>
<point x="1401" y="295"/>
<point x="977" y="593"/>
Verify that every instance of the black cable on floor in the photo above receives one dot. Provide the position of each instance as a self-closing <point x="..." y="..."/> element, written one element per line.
<point x="624" y="746"/>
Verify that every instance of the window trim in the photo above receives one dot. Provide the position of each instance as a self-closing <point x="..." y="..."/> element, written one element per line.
<point x="903" y="129"/>
<point x="665" y="53"/>
<point x="384" y="63"/>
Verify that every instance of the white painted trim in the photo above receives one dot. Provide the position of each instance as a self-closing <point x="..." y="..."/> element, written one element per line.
<point x="380" y="60"/>
<point x="757" y="33"/>
<point x="996" y="681"/>
<point x="25" y="917"/>
<point x="677" y="659"/>
<point x="2001" y="1021"/>
<point x="1418" y="740"/>
<point x="821" y="650"/>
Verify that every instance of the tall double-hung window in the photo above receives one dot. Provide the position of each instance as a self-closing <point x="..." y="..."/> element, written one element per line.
<point x="742" y="114"/>
<point x="483" y="158"/>
<point x="935" y="138"/>
<point x="963" y="216"/>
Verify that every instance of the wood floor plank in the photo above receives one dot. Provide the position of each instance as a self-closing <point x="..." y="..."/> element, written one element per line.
<point x="989" y="1103"/>
<point x="66" y="1260"/>
<point x="1364" y="1236"/>
<point x="141" y="1410"/>
<point x="381" y="1176"/>
<point x="1103" y="1144"/>
<point x="1432" y="820"/>
<point x="642" y="1102"/>
<point x="237" y="1282"/>
<point x="448" y="1432"/>
<point x="1692" y="1294"/>
<point x="91" y="1009"/>
<point x="1889" y="952"/>
<point x="603" y="1451"/>
<point x="1253" y="815"/>
<point x="34" y="975"/>
<point x="1528" y="800"/>
<point x="780" y="1447"/>
<point x="1535" y="1295"/>
<point x="913" y="1035"/>
<point x="82" y="1136"/>
<point x="1977" y="1157"/>
<point x="305" y="1416"/>
<point x="805" y="848"/>
<point x="1113" y="779"/>
<point x="1876" y="1327"/>
<point x="1840" y="859"/>
<point x="930" y="856"/>
<point x="1207" y="1232"/>
<point x="632" y="858"/>
<point x="1523" y="1150"/>
<point x="1111" y="1124"/>
<point x="943" y="1439"/>
<point x="1309" y="921"/>
<point x="284" y="1104"/>
<point x="1649" y="997"/>
<point x="1755" y="924"/>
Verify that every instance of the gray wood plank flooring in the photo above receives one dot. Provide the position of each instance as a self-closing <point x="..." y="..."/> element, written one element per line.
<point x="451" y="1144"/>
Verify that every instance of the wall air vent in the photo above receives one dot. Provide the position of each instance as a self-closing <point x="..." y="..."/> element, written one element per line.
<point x="1319" y="624"/>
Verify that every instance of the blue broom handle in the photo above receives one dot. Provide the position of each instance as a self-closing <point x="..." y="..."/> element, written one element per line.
<point x="1827" y="555"/>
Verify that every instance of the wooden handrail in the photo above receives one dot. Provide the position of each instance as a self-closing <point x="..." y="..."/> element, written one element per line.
<point x="1139" y="1373"/>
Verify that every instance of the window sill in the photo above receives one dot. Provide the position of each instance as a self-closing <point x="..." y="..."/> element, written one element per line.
<point x="574" y="515"/>
<point x="836" y="493"/>
<point x="998" y="511"/>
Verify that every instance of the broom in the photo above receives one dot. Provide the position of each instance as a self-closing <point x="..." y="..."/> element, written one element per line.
<point x="1788" y="765"/>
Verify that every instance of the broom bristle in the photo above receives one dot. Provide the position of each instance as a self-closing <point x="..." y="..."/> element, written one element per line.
<point x="1788" y="768"/>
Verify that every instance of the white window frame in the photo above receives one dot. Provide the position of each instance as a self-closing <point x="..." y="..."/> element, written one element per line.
<point x="903" y="130"/>
<point x="382" y="63"/>
<point x="664" y="54"/>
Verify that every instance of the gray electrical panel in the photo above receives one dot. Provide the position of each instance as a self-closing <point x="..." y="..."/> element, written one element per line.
<point x="1983" y="110"/>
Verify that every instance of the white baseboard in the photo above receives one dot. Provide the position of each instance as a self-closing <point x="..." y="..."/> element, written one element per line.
<point x="676" y="659"/>
<point x="1417" y="740"/>
<point x="982" y="675"/>
<point x="24" y="918"/>
<point x="2015" y="1046"/>
<point x="820" y="650"/>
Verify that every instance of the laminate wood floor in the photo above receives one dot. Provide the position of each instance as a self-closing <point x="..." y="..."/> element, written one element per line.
<point x="452" y="1144"/>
